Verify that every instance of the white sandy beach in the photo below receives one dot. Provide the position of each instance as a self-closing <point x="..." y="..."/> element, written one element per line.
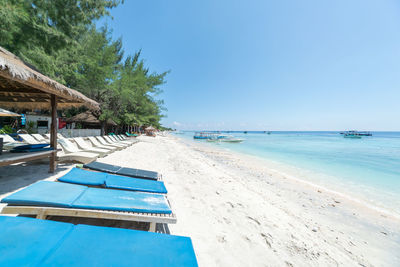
<point x="239" y="212"/>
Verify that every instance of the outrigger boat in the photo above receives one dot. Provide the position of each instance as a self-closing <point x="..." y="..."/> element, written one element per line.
<point x="356" y="133"/>
<point x="205" y="135"/>
<point x="225" y="138"/>
<point x="354" y="136"/>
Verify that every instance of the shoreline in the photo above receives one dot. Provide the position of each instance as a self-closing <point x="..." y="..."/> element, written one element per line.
<point x="347" y="205"/>
<point x="287" y="171"/>
<point x="239" y="212"/>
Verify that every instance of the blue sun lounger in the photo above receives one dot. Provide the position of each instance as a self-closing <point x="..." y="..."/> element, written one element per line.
<point x="91" y="178"/>
<point x="114" y="169"/>
<point x="45" y="198"/>
<point x="33" y="242"/>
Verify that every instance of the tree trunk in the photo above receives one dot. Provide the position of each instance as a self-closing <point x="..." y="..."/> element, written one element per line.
<point x="103" y="128"/>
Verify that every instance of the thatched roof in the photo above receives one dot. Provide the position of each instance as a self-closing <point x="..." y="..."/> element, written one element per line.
<point x="23" y="87"/>
<point x="150" y="128"/>
<point x="7" y="113"/>
<point x="88" y="118"/>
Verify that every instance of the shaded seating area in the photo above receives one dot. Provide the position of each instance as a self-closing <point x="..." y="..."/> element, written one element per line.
<point x="48" y="243"/>
<point x="100" y="194"/>
<point x="23" y="87"/>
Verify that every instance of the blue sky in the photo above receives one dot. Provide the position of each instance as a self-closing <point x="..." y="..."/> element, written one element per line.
<point x="270" y="65"/>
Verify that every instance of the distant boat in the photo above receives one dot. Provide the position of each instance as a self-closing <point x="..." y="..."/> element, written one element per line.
<point x="354" y="132"/>
<point x="232" y="140"/>
<point x="354" y="136"/>
<point x="205" y="135"/>
<point x="245" y="132"/>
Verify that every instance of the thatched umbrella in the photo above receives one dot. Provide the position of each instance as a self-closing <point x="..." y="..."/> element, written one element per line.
<point x="21" y="86"/>
<point x="150" y="131"/>
<point x="6" y="113"/>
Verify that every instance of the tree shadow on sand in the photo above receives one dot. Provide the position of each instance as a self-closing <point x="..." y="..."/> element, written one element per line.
<point x="16" y="176"/>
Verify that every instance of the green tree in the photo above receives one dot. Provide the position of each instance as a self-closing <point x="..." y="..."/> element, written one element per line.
<point x="60" y="39"/>
<point x="37" y="30"/>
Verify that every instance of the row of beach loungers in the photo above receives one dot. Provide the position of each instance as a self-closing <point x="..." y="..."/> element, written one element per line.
<point x="72" y="149"/>
<point x="95" y="191"/>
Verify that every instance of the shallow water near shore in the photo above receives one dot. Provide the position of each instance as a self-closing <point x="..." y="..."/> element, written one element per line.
<point x="367" y="169"/>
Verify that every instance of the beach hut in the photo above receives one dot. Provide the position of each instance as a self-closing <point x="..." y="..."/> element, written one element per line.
<point x="23" y="87"/>
<point x="88" y="120"/>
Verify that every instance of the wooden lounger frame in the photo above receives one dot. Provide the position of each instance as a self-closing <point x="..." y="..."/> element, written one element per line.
<point x="159" y="175"/>
<point x="43" y="212"/>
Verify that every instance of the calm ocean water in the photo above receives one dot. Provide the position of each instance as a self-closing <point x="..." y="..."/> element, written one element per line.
<point x="367" y="169"/>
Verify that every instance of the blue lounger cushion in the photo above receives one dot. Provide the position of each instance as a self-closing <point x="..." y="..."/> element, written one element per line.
<point x="55" y="194"/>
<point x="33" y="242"/>
<point x="86" y="177"/>
<point x="79" y="176"/>
<point x="121" y="247"/>
<point x="131" y="172"/>
<point x="30" y="146"/>
<point x="104" y="167"/>
<point x="26" y="241"/>
<point x="135" y="184"/>
<point x="144" y="174"/>
<point x="45" y="193"/>
<point x="31" y="150"/>
<point x="119" y="200"/>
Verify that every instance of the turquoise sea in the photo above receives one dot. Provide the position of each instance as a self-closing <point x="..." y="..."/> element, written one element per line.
<point x="366" y="169"/>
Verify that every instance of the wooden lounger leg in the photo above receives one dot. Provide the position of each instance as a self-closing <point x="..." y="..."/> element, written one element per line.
<point x="53" y="162"/>
<point x="152" y="227"/>
<point x="41" y="215"/>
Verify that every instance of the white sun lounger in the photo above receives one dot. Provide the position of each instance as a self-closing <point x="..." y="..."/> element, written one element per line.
<point x="87" y="145"/>
<point x="106" y="143"/>
<point x="30" y="140"/>
<point x="118" y="137"/>
<point x="125" y="138"/>
<point x="118" y="141"/>
<point x="96" y="143"/>
<point x="9" y="142"/>
<point x="81" y="157"/>
<point x="111" y="141"/>
<point x="69" y="147"/>
<point x="82" y="144"/>
<point x="40" y="138"/>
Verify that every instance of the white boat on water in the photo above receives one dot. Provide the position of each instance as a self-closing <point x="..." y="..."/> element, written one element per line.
<point x="232" y="140"/>
<point x="224" y="138"/>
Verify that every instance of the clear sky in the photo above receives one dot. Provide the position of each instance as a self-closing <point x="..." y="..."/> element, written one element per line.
<point x="270" y="65"/>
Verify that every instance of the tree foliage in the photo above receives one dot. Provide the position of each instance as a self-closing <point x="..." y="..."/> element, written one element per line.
<point x="60" y="39"/>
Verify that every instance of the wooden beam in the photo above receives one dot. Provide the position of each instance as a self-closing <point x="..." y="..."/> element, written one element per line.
<point x="37" y="105"/>
<point x="53" y="132"/>
<point x="12" y="158"/>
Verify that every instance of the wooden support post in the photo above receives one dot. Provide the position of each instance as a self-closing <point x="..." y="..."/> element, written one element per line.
<point x="53" y="133"/>
<point x="152" y="227"/>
